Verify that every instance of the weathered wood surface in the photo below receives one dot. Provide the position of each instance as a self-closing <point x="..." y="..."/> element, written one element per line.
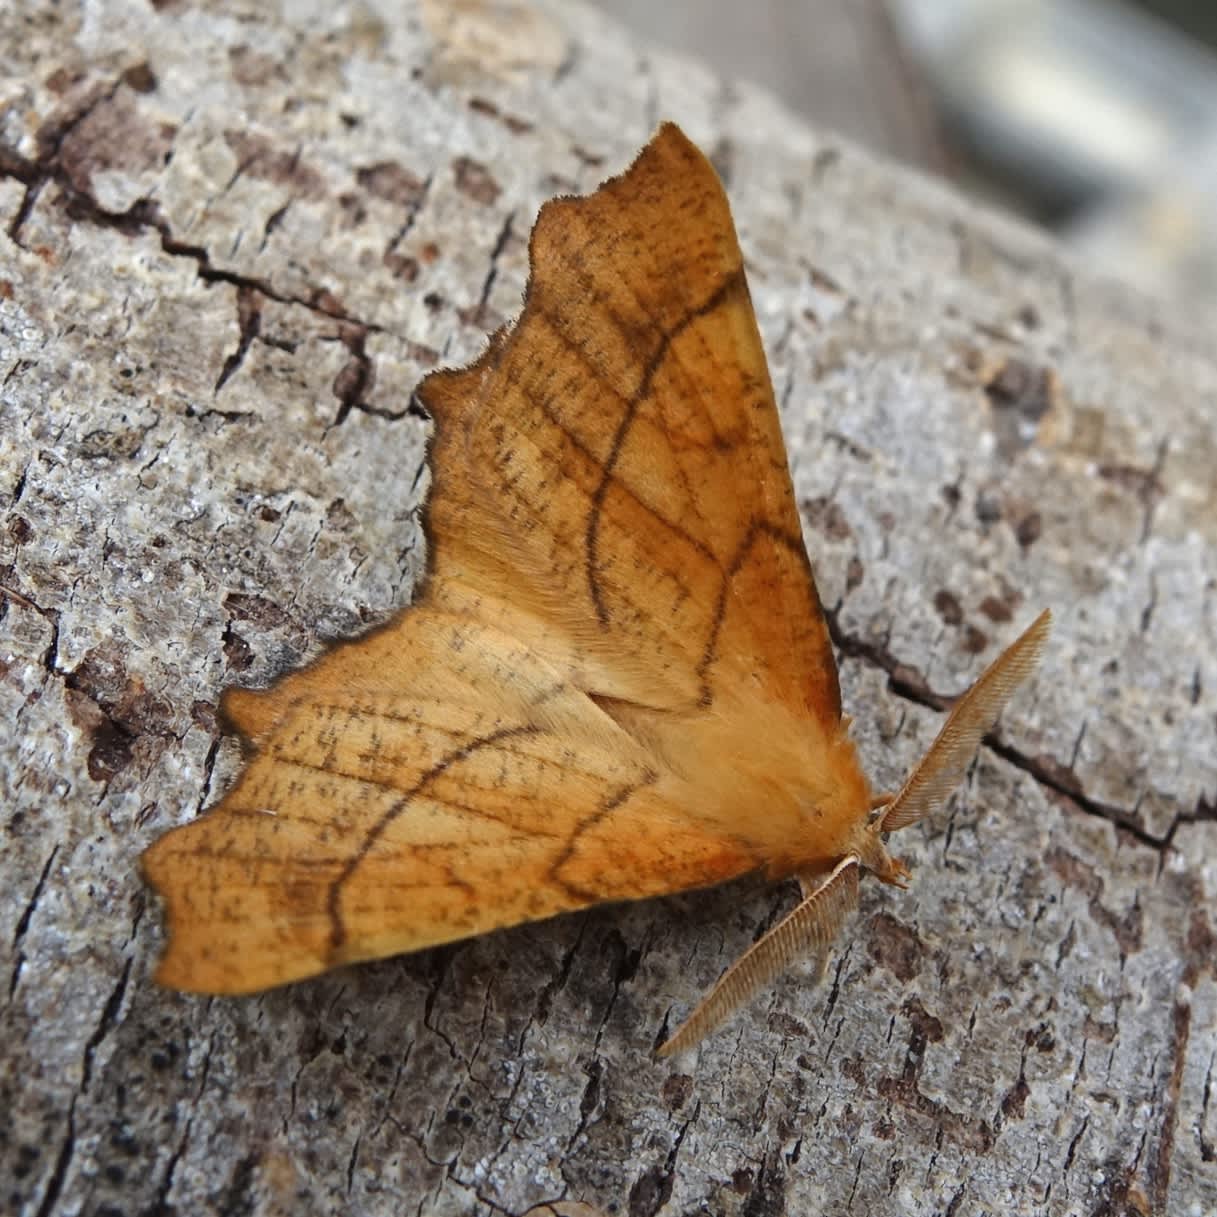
<point x="232" y="242"/>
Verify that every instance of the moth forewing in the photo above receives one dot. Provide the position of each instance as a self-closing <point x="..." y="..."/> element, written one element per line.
<point x="617" y="681"/>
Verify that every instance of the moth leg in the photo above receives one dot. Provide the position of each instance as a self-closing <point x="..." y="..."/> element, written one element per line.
<point x="811" y="925"/>
<point x="879" y="801"/>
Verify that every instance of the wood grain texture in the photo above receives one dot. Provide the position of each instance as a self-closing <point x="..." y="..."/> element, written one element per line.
<point x="209" y="469"/>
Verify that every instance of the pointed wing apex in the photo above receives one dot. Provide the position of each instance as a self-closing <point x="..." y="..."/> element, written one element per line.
<point x="615" y="459"/>
<point x="974" y="714"/>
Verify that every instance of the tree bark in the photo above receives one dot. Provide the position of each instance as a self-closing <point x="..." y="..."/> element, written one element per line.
<point x="233" y="242"/>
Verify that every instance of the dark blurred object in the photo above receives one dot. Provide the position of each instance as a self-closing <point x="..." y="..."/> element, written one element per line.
<point x="1197" y="18"/>
<point x="837" y="61"/>
<point x="1097" y="118"/>
<point x="1092" y="116"/>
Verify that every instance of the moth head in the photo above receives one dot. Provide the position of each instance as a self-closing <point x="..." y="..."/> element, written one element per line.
<point x="872" y="853"/>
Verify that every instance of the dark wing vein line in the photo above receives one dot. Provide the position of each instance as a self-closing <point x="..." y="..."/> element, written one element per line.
<point x="334" y="895"/>
<point x="592" y="536"/>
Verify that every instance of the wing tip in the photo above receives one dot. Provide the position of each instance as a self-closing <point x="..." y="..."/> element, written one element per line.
<point x="446" y="392"/>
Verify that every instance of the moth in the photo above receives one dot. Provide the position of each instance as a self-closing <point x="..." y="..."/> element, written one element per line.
<point x="617" y="682"/>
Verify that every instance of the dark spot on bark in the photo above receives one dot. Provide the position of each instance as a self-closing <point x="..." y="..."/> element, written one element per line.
<point x="474" y="179"/>
<point x="825" y="516"/>
<point x="768" y="1196"/>
<point x="434" y="301"/>
<point x="1201" y="948"/>
<point x="1014" y="1101"/>
<point x="401" y="266"/>
<point x="1073" y="872"/>
<point x="741" y="1181"/>
<point x="591" y="1092"/>
<point x="895" y="946"/>
<point x="339" y="516"/>
<point x="238" y="1198"/>
<point x="27" y="1159"/>
<point x="237" y="652"/>
<point x="650" y="1192"/>
<point x="824" y="282"/>
<point x="1127" y="929"/>
<point x="950" y="495"/>
<point x="20" y="529"/>
<point x="141" y="78"/>
<point x="787" y="1025"/>
<point x="328" y="302"/>
<point x="481" y="316"/>
<point x="1143" y="484"/>
<point x="250" y="67"/>
<point x="722" y="157"/>
<point x="988" y="509"/>
<point x="353" y="209"/>
<point x="122" y="443"/>
<point x="593" y="160"/>
<point x="262" y="612"/>
<point x="270" y="514"/>
<point x="261" y="158"/>
<point x="1022" y="387"/>
<point x="925" y="1025"/>
<point x="420" y="353"/>
<point x="114" y="709"/>
<point x="114" y="136"/>
<point x="854" y="573"/>
<point x="824" y="160"/>
<point x="556" y="184"/>
<point x="1029" y="529"/>
<point x="854" y="1068"/>
<point x="1028" y="317"/>
<point x="62" y="80"/>
<point x="628" y="958"/>
<point x="973" y="640"/>
<point x="1041" y="1039"/>
<point x="517" y="126"/>
<point x="948" y="606"/>
<point x="111" y="751"/>
<point x="884" y="1129"/>
<point x="676" y="1090"/>
<point x="996" y="610"/>
<point x="352" y="381"/>
<point x="392" y="182"/>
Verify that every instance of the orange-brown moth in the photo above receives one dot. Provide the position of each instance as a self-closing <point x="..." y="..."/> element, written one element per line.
<point x="617" y="682"/>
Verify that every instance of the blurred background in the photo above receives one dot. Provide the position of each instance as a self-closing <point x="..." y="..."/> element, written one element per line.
<point x="1094" y="118"/>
